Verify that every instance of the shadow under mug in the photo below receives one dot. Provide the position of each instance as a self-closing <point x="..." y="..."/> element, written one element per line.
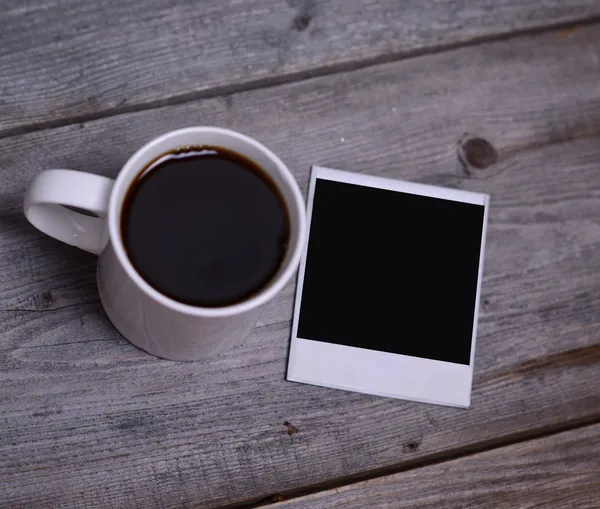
<point x="147" y="318"/>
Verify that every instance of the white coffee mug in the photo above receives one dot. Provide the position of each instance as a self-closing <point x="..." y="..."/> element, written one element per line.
<point x="147" y="318"/>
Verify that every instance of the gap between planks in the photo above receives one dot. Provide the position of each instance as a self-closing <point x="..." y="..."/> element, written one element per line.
<point x="435" y="459"/>
<point x="304" y="75"/>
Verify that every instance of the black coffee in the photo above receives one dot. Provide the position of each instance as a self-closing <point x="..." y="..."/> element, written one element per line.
<point x="205" y="226"/>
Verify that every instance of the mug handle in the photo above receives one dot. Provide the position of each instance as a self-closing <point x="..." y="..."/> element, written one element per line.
<point x="51" y="197"/>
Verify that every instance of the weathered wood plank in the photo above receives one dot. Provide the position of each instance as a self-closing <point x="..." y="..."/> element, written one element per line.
<point x="88" y="420"/>
<point x="74" y="59"/>
<point x="560" y="471"/>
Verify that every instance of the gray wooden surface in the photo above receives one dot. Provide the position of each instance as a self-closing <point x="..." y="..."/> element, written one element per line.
<point x="561" y="471"/>
<point x="72" y="59"/>
<point x="87" y="420"/>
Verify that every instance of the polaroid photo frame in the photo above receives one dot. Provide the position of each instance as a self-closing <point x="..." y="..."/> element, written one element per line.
<point x="388" y="290"/>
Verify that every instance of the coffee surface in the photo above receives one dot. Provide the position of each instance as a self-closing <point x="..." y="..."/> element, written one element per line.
<point x="205" y="226"/>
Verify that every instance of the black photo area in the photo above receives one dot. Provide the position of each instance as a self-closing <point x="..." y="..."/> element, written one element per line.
<point x="391" y="271"/>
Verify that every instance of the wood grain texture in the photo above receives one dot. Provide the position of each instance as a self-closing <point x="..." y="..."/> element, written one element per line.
<point x="561" y="471"/>
<point x="89" y="421"/>
<point x="76" y="59"/>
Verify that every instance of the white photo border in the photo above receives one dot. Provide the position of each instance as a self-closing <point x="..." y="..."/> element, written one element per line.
<point x="374" y="372"/>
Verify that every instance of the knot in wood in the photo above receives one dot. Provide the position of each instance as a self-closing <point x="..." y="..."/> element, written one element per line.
<point x="477" y="153"/>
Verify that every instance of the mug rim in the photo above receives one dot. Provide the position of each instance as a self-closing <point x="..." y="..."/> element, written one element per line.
<point x="266" y="293"/>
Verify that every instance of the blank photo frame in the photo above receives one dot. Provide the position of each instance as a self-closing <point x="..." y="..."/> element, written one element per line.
<point x="388" y="289"/>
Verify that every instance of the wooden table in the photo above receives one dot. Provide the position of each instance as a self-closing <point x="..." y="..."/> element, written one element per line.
<point x="376" y="86"/>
